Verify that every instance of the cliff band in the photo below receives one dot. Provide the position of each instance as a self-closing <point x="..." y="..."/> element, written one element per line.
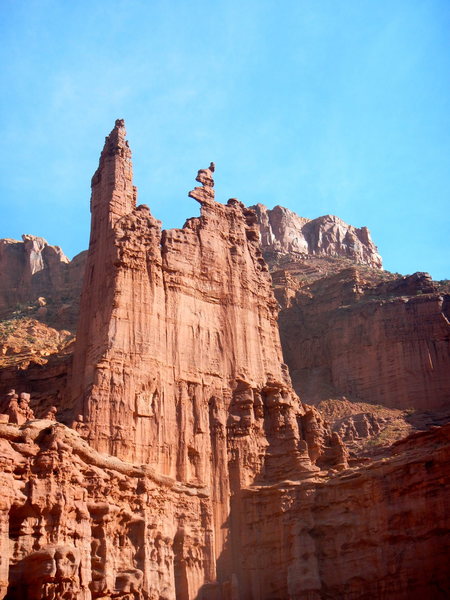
<point x="172" y="459"/>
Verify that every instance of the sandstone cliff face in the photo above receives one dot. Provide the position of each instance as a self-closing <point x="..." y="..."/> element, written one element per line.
<point x="379" y="531"/>
<point x="32" y="269"/>
<point x="177" y="363"/>
<point x="77" y="524"/>
<point x="387" y="344"/>
<point x="176" y="318"/>
<point x="284" y="232"/>
<point x="191" y="470"/>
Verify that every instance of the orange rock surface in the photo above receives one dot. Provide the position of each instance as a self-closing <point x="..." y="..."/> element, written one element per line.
<point x="387" y="343"/>
<point x="78" y="524"/>
<point x="177" y="363"/>
<point x="33" y="272"/>
<point x="181" y="464"/>
<point x="380" y="531"/>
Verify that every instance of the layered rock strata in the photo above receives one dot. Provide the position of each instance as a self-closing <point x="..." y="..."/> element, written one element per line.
<point x="177" y="363"/>
<point x="385" y="343"/>
<point x="171" y="323"/>
<point x="33" y="268"/>
<point x="191" y="470"/>
<point x="79" y="525"/>
<point x="380" y="531"/>
<point x="284" y="232"/>
<point x="34" y="272"/>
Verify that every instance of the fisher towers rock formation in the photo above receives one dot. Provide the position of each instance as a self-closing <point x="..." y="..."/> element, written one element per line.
<point x="193" y="471"/>
<point x="174" y="324"/>
<point x="178" y="364"/>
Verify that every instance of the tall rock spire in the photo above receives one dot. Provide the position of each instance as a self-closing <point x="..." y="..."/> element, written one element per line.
<point x="178" y="362"/>
<point x="178" y="335"/>
<point x="113" y="193"/>
<point x="113" y="197"/>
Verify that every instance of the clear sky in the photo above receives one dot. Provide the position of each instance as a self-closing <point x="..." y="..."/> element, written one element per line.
<point x="323" y="106"/>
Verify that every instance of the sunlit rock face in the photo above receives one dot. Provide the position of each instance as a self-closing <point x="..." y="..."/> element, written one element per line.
<point x="28" y="268"/>
<point x="177" y="363"/>
<point x="349" y="329"/>
<point x="174" y="326"/>
<point x="178" y="463"/>
<point x="33" y="268"/>
<point x="38" y="280"/>
<point x="284" y="232"/>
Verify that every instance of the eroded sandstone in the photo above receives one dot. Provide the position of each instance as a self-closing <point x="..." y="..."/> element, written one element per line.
<point x="38" y="280"/>
<point x="284" y="232"/>
<point x="177" y="363"/>
<point x="78" y="524"/>
<point x="382" y="342"/>
<point x="190" y="469"/>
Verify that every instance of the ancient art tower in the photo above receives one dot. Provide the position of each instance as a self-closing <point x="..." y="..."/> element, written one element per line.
<point x="113" y="302"/>
<point x="178" y="352"/>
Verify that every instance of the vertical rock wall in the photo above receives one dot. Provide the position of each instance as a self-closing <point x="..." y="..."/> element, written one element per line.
<point x="169" y="320"/>
<point x="178" y="362"/>
<point x="387" y="344"/>
<point x="366" y="534"/>
<point x="191" y="470"/>
<point x="283" y="232"/>
<point x="77" y="525"/>
<point x="33" y="268"/>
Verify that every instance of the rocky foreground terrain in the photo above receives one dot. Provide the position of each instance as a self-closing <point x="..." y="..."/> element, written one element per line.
<point x="154" y="445"/>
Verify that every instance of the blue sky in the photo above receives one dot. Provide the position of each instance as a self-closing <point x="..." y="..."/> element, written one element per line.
<point x="339" y="107"/>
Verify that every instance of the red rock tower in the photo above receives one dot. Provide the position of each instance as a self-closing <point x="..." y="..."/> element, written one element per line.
<point x="178" y="362"/>
<point x="102" y="355"/>
<point x="178" y="332"/>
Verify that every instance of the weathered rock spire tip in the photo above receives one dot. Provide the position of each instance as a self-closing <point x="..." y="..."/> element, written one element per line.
<point x="205" y="193"/>
<point x="205" y="177"/>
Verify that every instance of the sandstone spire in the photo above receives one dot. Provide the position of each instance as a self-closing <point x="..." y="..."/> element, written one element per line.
<point x="178" y="362"/>
<point x="207" y="483"/>
<point x="113" y="194"/>
<point x="113" y="197"/>
<point x="178" y="335"/>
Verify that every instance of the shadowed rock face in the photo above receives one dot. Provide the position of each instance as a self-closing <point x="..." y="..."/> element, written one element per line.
<point x="191" y="470"/>
<point x="385" y="343"/>
<point x="374" y="532"/>
<point x="82" y="525"/>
